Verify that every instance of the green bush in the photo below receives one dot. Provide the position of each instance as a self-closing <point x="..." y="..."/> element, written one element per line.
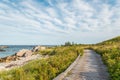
<point x="45" y="69"/>
<point x="111" y="57"/>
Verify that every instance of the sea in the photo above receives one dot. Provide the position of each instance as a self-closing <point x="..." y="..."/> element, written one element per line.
<point x="12" y="49"/>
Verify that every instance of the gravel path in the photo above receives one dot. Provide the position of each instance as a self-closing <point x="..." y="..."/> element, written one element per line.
<point x="89" y="67"/>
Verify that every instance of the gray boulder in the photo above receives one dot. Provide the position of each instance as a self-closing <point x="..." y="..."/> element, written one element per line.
<point x="1" y="50"/>
<point x="28" y="53"/>
<point x="37" y="48"/>
<point x="24" y="53"/>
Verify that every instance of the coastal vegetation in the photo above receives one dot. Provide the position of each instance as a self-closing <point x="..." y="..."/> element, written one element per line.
<point x="45" y="69"/>
<point x="60" y="57"/>
<point x="110" y="53"/>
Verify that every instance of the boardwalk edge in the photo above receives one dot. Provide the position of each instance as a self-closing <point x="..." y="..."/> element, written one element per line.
<point x="63" y="74"/>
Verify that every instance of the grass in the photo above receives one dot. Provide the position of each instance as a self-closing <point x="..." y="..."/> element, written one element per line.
<point x="110" y="53"/>
<point x="45" y="69"/>
<point x="111" y="58"/>
<point x="62" y="57"/>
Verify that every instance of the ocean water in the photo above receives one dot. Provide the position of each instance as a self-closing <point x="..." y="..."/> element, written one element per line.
<point x="12" y="49"/>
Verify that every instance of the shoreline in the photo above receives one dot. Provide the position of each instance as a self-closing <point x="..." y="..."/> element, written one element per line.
<point x="10" y="50"/>
<point x="17" y="63"/>
<point x="21" y="58"/>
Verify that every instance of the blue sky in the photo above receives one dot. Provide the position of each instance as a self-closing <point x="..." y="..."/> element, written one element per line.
<point x="44" y="22"/>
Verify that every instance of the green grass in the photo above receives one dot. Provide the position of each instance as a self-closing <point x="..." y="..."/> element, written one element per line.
<point x="45" y="69"/>
<point x="110" y="52"/>
<point x="49" y="51"/>
<point x="62" y="57"/>
<point x="111" y="58"/>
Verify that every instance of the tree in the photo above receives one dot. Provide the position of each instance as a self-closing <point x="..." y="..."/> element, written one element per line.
<point x="67" y="43"/>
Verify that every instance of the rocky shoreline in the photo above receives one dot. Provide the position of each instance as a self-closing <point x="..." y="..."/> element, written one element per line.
<point x="1" y="47"/>
<point x="20" y="58"/>
<point x="22" y="54"/>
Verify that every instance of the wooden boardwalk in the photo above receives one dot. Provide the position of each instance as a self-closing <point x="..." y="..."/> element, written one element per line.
<point x="89" y="67"/>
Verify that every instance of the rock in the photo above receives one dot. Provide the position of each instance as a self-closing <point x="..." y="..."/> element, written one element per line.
<point x="2" y="47"/>
<point x="1" y="60"/>
<point x="1" y="50"/>
<point x="7" y="61"/>
<point x="37" y="48"/>
<point x="10" y="58"/>
<point x="24" y="53"/>
<point x="10" y="65"/>
<point x="28" y="53"/>
<point x="20" y="54"/>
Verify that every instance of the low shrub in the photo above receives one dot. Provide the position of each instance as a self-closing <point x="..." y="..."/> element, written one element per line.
<point x="45" y="69"/>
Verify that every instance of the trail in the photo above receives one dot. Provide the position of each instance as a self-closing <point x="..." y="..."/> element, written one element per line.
<point x="89" y="67"/>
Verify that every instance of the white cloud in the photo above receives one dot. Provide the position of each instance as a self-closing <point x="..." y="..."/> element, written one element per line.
<point x="68" y="18"/>
<point x="81" y="5"/>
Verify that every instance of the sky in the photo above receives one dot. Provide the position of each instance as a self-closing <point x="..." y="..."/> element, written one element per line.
<point x="54" y="22"/>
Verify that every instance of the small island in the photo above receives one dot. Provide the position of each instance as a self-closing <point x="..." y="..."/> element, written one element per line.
<point x="2" y="48"/>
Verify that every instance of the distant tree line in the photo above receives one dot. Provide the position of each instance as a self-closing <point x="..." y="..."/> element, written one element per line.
<point x="69" y="43"/>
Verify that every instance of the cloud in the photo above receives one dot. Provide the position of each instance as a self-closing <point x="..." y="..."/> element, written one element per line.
<point x="60" y="18"/>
